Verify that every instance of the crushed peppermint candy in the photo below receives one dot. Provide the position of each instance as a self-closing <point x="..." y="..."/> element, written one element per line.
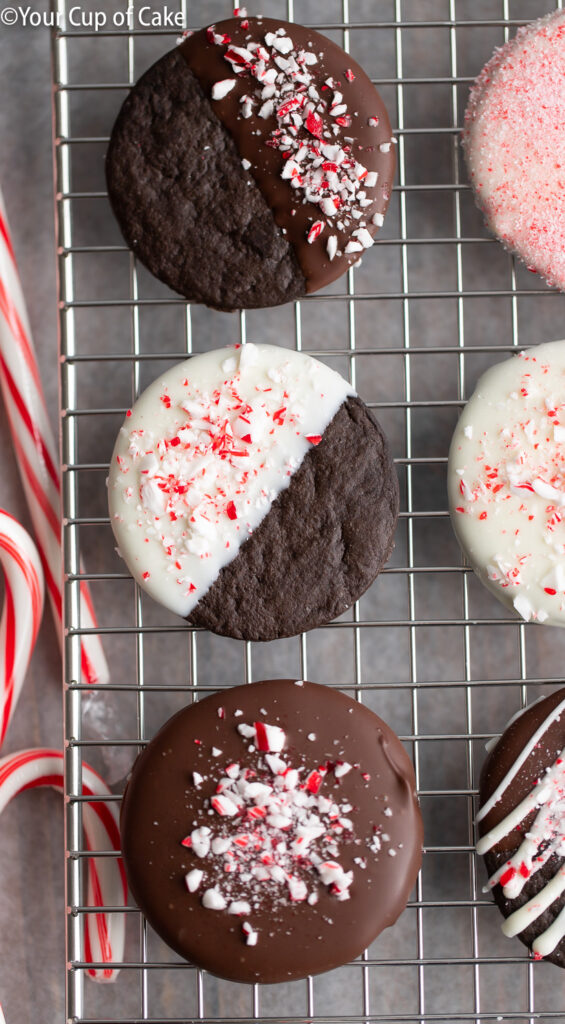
<point x="221" y="89"/>
<point x="274" y="824"/>
<point x="507" y="482"/>
<point x="193" y="879"/>
<point x="190" y="481"/>
<point x="251" y="935"/>
<point x="310" y="131"/>
<point x="213" y="900"/>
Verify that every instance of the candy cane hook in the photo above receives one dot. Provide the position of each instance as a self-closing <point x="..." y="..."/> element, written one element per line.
<point x="21" y="614"/>
<point x="104" y="933"/>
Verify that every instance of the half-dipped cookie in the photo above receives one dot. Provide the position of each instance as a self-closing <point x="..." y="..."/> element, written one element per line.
<point x="251" y="165"/>
<point x="272" y="830"/>
<point x="522" y="827"/>
<point x="506" y="482"/>
<point x="252" y="492"/>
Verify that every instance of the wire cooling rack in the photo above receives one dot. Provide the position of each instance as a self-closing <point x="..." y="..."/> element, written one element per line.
<point x="435" y="303"/>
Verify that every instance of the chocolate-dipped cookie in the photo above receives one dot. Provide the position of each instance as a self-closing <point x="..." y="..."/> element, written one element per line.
<point x="522" y="827"/>
<point x="272" y="831"/>
<point x="252" y="492"/>
<point x="251" y="165"/>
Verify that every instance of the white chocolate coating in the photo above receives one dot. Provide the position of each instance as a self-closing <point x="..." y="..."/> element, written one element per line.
<point x="506" y="482"/>
<point x="203" y="454"/>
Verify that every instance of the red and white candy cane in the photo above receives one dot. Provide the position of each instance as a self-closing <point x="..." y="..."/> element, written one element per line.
<point x="35" y="448"/>
<point x="21" y="614"/>
<point x="104" y="933"/>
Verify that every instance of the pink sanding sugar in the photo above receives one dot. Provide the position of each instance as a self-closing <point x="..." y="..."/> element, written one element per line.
<point x="514" y="142"/>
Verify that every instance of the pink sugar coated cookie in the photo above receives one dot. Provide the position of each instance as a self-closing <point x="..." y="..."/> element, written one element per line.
<point x="514" y="142"/>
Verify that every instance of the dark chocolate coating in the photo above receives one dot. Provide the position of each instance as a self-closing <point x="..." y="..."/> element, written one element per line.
<point x="322" y="543"/>
<point x="161" y="806"/>
<point x="294" y="216"/>
<point x="184" y="203"/>
<point x="499" y="761"/>
<point x="209" y="229"/>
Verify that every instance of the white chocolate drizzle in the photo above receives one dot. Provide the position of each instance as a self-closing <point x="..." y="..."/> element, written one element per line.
<point x="523" y="756"/>
<point x="544" y="839"/>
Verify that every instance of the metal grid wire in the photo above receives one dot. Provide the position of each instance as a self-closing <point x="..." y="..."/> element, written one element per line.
<point x="443" y="960"/>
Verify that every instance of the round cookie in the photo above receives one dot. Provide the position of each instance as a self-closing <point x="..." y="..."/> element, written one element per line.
<point x="506" y="482"/>
<point x="514" y="142"/>
<point x="252" y="492"/>
<point x="251" y="165"/>
<point x="522" y="827"/>
<point x="272" y="830"/>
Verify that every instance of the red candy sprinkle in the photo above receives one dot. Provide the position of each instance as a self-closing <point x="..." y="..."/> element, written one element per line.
<point x="268" y="737"/>
<point x="315" y="231"/>
<point x="507" y="876"/>
<point x="314" y="438"/>
<point x="231" y="510"/>
<point x="314" y="125"/>
<point x="314" y="781"/>
<point x="288" y="106"/>
<point x="236" y="58"/>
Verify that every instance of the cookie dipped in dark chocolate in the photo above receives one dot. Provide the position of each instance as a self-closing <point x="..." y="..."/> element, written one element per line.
<point x="295" y="875"/>
<point x="238" y="231"/>
<point x="184" y="203"/>
<point x="520" y="766"/>
<point x="302" y="162"/>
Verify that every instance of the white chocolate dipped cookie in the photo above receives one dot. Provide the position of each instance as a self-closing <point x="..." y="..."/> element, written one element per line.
<point x="252" y="492"/>
<point x="506" y="482"/>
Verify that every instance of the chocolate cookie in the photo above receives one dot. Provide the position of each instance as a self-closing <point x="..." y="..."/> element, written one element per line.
<point x="252" y="492"/>
<point x="522" y="827"/>
<point x="251" y="165"/>
<point x="272" y="831"/>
